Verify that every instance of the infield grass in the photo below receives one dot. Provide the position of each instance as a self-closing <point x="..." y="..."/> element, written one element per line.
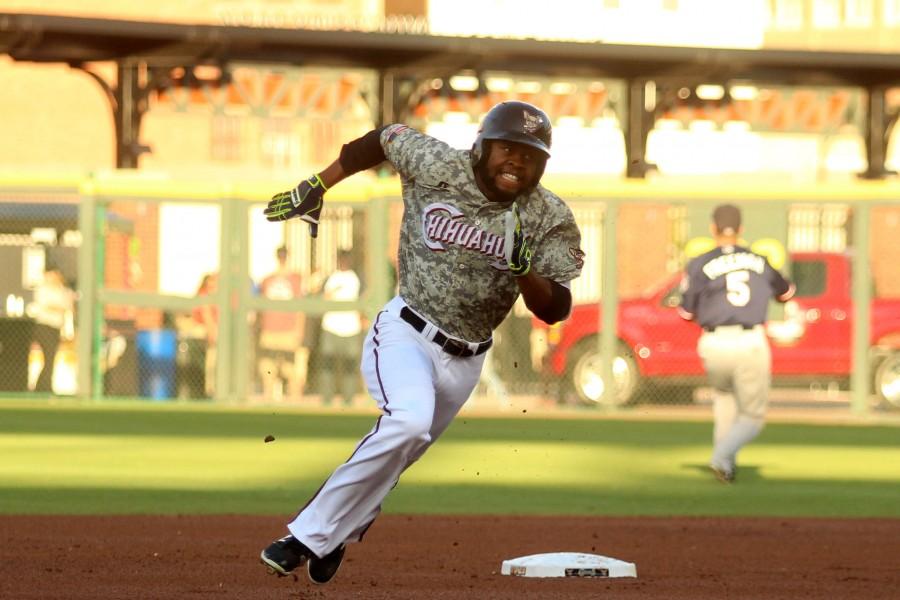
<point x="159" y="459"/>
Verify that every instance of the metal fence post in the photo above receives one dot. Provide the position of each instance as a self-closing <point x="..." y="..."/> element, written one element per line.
<point x="609" y="296"/>
<point x="861" y="291"/>
<point x="85" y="339"/>
<point x="222" y="298"/>
<point x="99" y="274"/>
<point x="240" y="253"/>
<point x="378" y="209"/>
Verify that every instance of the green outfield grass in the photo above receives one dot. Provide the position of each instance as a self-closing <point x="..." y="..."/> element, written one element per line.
<point x="181" y="459"/>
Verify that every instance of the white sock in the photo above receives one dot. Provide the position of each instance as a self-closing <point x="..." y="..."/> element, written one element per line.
<point x="741" y="433"/>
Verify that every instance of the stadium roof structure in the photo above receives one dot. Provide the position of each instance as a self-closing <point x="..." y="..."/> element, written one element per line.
<point x="77" y="41"/>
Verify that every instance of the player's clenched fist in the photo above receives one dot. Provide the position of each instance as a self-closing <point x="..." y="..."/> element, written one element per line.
<point x="304" y="201"/>
<point x="518" y="254"/>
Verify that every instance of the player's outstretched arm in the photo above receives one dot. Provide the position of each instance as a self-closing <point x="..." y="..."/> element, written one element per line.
<point x="305" y="201"/>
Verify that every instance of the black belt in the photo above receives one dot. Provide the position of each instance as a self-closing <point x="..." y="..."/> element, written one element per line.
<point x="741" y="325"/>
<point x="448" y="345"/>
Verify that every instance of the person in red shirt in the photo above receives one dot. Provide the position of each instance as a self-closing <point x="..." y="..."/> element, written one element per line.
<point x="282" y="357"/>
<point x="207" y="315"/>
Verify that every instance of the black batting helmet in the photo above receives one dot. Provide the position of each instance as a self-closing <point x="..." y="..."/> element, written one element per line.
<point x="514" y="121"/>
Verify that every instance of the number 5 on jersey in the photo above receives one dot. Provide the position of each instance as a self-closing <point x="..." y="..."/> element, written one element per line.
<point x="738" y="286"/>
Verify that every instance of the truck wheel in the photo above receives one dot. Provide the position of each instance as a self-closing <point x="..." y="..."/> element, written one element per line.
<point x="585" y="376"/>
<point x="887" y="379"/>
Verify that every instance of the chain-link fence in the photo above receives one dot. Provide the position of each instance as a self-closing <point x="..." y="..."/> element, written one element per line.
<point x="836" y="247"/>
<point x="39" y="250"/>
<point x="129" y="287"/>
<point x="198" y="297"/>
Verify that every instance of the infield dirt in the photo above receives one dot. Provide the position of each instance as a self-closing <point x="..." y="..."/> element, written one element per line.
<point x="448" y="558"/>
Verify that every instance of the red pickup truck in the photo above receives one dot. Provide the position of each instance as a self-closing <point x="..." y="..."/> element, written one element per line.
<point x="657" y="348"/>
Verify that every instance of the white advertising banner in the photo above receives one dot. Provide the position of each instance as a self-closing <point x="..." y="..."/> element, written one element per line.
<point x="706" y="23"/>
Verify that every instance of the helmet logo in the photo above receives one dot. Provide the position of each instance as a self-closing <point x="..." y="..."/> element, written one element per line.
<point x="532" y="122"/>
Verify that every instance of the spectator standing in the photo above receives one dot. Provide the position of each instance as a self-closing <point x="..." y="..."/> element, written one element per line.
<point x="207" y="316"/>
<point x="282" y="356"/>
<point x="340" y="341"/>
<point x="52" y="308"/>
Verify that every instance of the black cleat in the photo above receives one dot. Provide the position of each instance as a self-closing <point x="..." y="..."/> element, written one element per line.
<point x="321" y="570"/>
<point x="284" y="555"/>
<point x="723" y="475"/>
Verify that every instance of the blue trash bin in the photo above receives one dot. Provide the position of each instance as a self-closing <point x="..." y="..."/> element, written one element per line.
<point x="157" y="350"/>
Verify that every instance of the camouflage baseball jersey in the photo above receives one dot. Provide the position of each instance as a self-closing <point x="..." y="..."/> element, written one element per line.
<point x="451" y="256"/>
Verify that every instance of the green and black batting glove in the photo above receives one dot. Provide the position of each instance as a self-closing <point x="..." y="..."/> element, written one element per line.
<point x="518" y="254"/>
<point x="304" y="201"/>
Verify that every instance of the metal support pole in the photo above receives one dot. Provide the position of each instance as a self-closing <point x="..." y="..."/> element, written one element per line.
<point x="862" y="302"/>
<point x="129" y="106"/>
<point x="877" y="127"/>
<point x="377" y="221"/>
<point x="96" y="328"/>
<point x="641" y="103"/>
<point x="241" y="258"/>
<point x="610" y="297"/>
<point x="126" y="92"/>
<point x="387" y="89"/>
<point x="222" y="298"/>
<point x="87" y="273"/>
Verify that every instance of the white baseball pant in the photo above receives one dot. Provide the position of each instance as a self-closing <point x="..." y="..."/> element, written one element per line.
<point x="738" y="363"/>
<point x="419" y="389"/>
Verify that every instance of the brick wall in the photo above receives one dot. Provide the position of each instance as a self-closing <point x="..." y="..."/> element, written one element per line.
<point x="885" y="250"/>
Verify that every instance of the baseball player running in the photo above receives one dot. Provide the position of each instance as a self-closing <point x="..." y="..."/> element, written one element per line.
<point x="477" y="231"/>
<point x="727" y="292"/>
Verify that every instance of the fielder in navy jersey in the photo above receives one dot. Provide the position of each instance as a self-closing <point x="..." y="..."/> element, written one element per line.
<point x="478" y="231"/>
<point x="727" y="292"/>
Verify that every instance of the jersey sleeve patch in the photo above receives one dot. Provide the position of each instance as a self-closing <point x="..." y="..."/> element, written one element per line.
<point x="577" y="255"/>
<point x="394" y="130"/>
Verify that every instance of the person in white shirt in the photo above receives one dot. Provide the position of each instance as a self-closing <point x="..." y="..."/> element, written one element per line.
<point x="53" y="305"/>
<point x="339" y="345"/>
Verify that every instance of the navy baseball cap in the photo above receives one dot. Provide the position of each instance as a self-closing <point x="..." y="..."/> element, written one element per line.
<point x="727" y="218"/>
